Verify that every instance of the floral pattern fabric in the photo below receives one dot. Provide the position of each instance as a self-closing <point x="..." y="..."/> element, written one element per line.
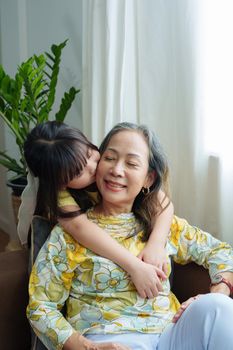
<point x="99" y="295"/>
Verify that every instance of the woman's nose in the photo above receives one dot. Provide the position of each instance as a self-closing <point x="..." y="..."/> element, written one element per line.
<point x="117" y="169"/>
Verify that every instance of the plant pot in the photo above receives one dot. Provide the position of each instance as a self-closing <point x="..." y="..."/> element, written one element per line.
<point x="17" y="185"/>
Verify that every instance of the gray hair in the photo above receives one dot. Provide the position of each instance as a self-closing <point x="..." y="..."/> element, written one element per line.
<point x="146" y="207"/>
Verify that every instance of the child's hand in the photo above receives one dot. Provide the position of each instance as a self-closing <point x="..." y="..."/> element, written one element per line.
<point x="155" y="256"/>
<point x="147" y="279"/>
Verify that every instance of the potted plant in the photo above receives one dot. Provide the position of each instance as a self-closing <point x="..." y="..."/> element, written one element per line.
<point x="27" y="100"/>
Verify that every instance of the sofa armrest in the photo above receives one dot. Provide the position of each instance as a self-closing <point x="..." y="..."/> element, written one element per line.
<point x="14" y="326"/>
<point x="190" y="280"/>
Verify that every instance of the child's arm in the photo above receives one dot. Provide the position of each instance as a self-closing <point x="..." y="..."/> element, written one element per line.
<point x="145" y="277"/>
<point x="154" y="252"/>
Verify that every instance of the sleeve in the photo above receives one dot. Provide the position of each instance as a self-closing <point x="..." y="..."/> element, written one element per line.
<point x="192" y="244"/>
<point x="65" y="198"/>
<point x="49" y="287"/>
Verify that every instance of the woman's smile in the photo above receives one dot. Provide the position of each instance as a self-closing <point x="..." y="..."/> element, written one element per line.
<point x="114" y="186"/>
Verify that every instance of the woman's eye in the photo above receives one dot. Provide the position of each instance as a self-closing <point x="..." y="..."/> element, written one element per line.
<point x="132" y="164"/>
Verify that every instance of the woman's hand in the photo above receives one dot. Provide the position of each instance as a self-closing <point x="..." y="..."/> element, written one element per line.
<point x="147" y="279"/>
<point x="104" y="346"/>
<point x="156" y="256"/>
<point x="183" y="307"/>
<point x="77" y="341"/>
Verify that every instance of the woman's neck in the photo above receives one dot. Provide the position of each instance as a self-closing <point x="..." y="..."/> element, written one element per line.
<point x="108" y="209"/>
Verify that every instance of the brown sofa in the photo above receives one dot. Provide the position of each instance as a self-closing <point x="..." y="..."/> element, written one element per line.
<point x="14" y="327"/>
<point x="187" y="281"/>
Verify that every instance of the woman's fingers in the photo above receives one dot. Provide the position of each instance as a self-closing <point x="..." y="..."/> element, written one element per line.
<point x="183" y="307"/>
<point x="109" y="346"/>
<point x="86" y="344"/>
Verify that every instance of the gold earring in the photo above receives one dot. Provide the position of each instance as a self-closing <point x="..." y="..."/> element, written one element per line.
<point x="145" y="190"/>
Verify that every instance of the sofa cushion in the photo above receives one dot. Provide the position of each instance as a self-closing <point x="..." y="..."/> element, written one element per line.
<point x="14" y="326"/>
<point x="40" y="230"/>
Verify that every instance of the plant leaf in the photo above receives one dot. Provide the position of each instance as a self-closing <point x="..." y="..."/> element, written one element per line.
<point x="66" y="103"/>
<point x="27" y="99"/>
<point x="11" y="164"/>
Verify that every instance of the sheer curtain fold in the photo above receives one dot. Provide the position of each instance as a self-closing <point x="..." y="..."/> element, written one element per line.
<point x="110" y="69"/>
<point x="142" y="63"/>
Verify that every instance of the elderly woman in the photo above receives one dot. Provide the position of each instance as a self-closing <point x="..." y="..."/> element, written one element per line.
<point x="103" y="308"/>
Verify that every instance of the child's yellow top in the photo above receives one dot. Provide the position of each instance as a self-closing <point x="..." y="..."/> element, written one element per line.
<point x="65" y="198"/>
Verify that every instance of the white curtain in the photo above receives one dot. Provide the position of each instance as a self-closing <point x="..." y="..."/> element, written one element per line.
<point x="217" y="66"/>
<point x="142" y="63"/>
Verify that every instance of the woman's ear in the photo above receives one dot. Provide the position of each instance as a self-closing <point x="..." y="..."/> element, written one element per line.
<point x="150" y="179"/>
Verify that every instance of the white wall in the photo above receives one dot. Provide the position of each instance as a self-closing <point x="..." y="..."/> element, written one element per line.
<point x="32" y="26"/>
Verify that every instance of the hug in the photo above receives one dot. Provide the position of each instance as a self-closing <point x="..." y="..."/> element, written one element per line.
<point x="114" y="302"/>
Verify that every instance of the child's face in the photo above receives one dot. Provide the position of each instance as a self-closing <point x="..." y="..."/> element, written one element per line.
<point x="87" y="176"/>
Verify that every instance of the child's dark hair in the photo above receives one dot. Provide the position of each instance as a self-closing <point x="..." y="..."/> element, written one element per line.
<point x="55" y="153"/>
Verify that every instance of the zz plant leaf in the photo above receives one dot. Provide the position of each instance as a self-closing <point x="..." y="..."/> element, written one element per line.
<point x="28" y="99"/>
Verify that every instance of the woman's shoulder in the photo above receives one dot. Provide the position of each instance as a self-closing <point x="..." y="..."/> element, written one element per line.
<point x="178" y="223"/>
<point x="60" y="240"/>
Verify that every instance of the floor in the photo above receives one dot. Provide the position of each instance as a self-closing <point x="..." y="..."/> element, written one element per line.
<point x="4" y="240"/>
<point x="6" y="244"/>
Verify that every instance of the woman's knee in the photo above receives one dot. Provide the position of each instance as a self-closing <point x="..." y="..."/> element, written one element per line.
<point x="207" y="319"/>
<point x="214" y="301"/>
<point x="212" y="304"/>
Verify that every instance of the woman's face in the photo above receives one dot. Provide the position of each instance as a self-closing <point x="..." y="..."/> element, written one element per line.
<point x="123" y="169"/>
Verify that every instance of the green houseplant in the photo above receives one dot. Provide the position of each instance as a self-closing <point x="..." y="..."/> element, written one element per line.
<point x="27" y="100"/>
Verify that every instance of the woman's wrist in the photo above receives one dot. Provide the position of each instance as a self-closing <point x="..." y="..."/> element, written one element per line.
<point x="220" y="288"/>
<point x="222" y="284"/>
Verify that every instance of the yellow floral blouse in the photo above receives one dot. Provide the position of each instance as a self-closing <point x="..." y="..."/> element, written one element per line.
<point x="99" y="296"/>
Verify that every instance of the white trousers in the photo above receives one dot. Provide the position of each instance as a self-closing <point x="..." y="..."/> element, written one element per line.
<point x="207" y="324"/>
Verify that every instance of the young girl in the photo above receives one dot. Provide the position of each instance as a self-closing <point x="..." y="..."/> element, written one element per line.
<point x="65" y="163"/>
